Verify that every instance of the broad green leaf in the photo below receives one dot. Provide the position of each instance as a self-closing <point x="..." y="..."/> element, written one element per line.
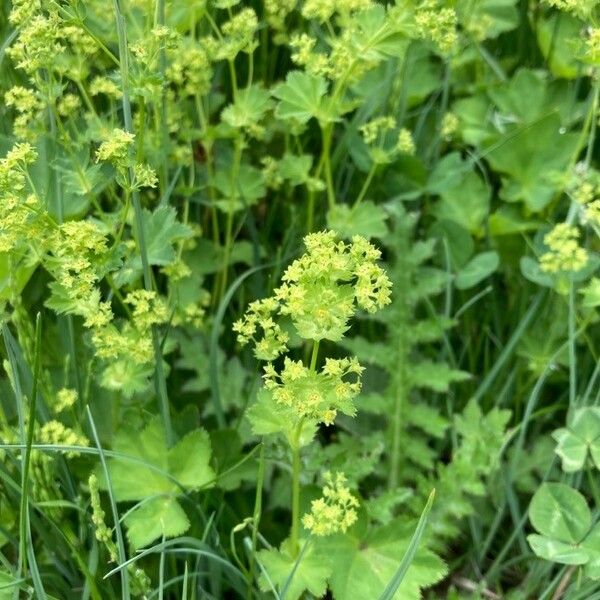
<point x="464" y="196"/>
<point x="249" y="107"/>
<point x="366" y="219"/>
<point x="295" y="168"/>
<point x="157" y="470"/>
<point x="559" y="512"/>
<point x="591" y="293"/>
<point x="560" y="552"/>
<point x="311" y="574"/>
<point x="378" y="36"/>
<point x="591" y="545"/>
<point x="268" y="417"/>
<point x="507" y="220"/>
<point x="559" y="38"/>
<point x="302" y="97"/>
<point x="362" y="567"/>
<point x="161" y="232"/>
<point x="476" y="270"/>
<point x="158" y="517"/>
<point x="244" y="190"/>
<point x="530" y="269"/>
<point x="582" y="436"/>
<point x="488" y="18"/>
<point x="531" y="157"/>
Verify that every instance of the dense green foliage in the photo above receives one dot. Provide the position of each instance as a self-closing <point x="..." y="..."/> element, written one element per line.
<point x="299" y="299"/>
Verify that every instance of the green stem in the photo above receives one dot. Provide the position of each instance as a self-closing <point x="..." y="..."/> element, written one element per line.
<point x="159" y="375"/>
<point x="327" y="135"/>
<point x="24" y="510"/>
<point x="572" y="353"/>
<point x="295" y="491"/>
<point x="366" y="184"/>
<point x="314" y="355"/>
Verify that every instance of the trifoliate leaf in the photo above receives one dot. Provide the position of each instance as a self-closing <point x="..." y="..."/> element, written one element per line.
<point x="476" y="270"/>
<point x="560" y="552"/>
<point x="362" y="568"/>
<point x="591" y="545"/>
<point x="559" y="512"/>
<point x="311" y="574"/>
<point x="158" y="517"/>
<point x="580" y="438"/>
<point x="157" y="470"/>
<point x="366" y="219"/>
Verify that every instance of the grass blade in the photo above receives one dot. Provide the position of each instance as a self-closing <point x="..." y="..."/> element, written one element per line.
<point x="409" y="555"/>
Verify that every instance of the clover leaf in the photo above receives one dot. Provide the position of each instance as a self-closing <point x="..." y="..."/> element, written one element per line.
<point x="156" y="474"/>
<point x="563" y="520"/>
<point x="580" y="438"/>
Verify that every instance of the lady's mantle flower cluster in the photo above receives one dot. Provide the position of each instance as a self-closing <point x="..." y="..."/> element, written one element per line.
<point x="321" y="291"/>
<point x="564" y="254"/>
<point x="335" y="511"/>
<point x="316" y="395"/>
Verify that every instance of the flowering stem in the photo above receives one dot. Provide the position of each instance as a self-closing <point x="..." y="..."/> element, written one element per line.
<point x="159" y="375"/>
<point x="315" y="353"/>
<point x="366" y="184"/>
<point x="295" y="446"/>
<point x="295" y="491"/>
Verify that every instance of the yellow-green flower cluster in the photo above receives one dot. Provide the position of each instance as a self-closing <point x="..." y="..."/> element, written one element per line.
<point x="335" y="511"/>
<point x="437" y="24"/>
<point x="593" y="45"/>
<point x="148" y="309"/>
<point x="449" y="125"/>
<point x="580" y="8"/>
<point x="316" y="395"/>
<point x="564" y="254"/>
<point x="586" y="192"/>
<point x="305" y="55"/>
<point x="57" y="434"/>
<point x="323" y="10"/>
<point x="103" y="533"/>
<point x="321" y="291"/>
<point x="39" y="43"/>
<point x="190" y="67"/>
<point x="372" y="130"/>
<point x="27" y="104"/>
<point x="65" y="398"/>
<point x="276" y="12"/>
<point x="116" y="147"/>
<point x="76" y="247"/>
<point x="238" y="35"/>
<point x="106" y="86"/>
<point x="19" y="210"/>
<point x="405" y="143"/>
<point x="258" y="319"/>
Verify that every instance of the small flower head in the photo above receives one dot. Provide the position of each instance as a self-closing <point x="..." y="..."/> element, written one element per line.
<point x="335" y="511"/>
<point x="116" y="147"/>
<point x="564" y="254"/>
<point x="65" y="398"/>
